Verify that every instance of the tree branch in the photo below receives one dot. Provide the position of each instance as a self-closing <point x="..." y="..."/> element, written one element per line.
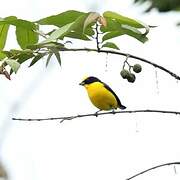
<point x="130" y="56"/>
<point x="65" y="118"/>
<point x="97" y="37"/>
<point x="155" y="167"/>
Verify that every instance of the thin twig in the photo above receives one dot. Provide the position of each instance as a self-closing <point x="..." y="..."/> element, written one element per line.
<point x="155" y="167"/>
<point x="126" y="62"/>
<point x="97" y="37"/>
<point x="96" y="114"/>
<point x="130" y="56"/>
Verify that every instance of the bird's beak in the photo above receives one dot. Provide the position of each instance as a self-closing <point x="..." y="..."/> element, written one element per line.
<point x="82" y="83"/>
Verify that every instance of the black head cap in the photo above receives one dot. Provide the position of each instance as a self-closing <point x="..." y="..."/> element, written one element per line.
<point x="89" y="80"/>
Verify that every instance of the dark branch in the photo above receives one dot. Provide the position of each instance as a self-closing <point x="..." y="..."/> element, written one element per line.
<point x="130" y="56"/>
<point x="97" y="114"/>
<point x="97" y="37"/>
<point x="155" y="167"/>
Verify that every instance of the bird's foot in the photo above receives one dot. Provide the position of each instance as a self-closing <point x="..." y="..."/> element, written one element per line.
<point x="96" y="113"/>
<point x="113" y="111"/>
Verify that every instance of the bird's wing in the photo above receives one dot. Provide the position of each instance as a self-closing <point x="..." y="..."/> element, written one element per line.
<point x="109" y="89"/>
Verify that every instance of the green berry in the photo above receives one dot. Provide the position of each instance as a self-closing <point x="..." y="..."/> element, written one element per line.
<point x="124" y="73"/>
<point x="137" y="68"/>
<point x="131" y="78"/>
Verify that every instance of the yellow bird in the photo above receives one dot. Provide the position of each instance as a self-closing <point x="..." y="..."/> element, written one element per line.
<point x="101" y="95"/>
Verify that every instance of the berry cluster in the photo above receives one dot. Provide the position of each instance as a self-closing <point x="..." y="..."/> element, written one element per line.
<point x="127" y="74"/>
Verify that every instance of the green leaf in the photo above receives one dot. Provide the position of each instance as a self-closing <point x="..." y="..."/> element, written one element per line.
<point x="24" y="24"/>
<point x="126" y="20"/>
<point x="16" y="53"/>
<point x="58" y="57"/>
<point x="92" y="17"/>
<point x="7" y="53"/>
<point x="76" y="35"/>
<point x="139" y="36"/>
<point x="3" y="35"/>
<point x="76" y="27"/>
<point x="12" y="20"/>
<point x="24" y="57"/>
<point x="110" y="45"/>
<point x="55" y="51"/>
<point x="112" y="34"/>
<point x="58" y="33"/>
<point x="122" y="19"/>
<point x="4" y="31"/>
<point x="61" y="19"/>
<point x="34" y="46"/>
<point x="37" y="58"/>
<point x="89" y="31"/>
<point x="7" y="20"/>
<point x="112" y="25"/>
<point x="24" y="31"/>
<point x="26" y="37"/>
<point x="2" y="56"/>
<point x="80" y="27"/>
<point x="48" y="59"/>
<point x="131" y="29"/>
<point x="114" y="29"/>
<point x="47" y="45"/>
<point x="13" y="64"/>
<point x="142" y="38"/>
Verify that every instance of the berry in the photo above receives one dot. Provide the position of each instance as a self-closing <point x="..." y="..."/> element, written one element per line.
<point x="131" y="78"/>
<point x="137" y="68"/>
<point x="124" y="73"/>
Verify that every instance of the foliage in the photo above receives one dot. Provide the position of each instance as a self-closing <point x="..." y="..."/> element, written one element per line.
<point x="35" y="44"/>
<point x="161" y="5"/>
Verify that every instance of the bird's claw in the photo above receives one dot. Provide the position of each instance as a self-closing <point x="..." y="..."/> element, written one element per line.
<point x="96" y="113"/>
<point x="113" y="111"/>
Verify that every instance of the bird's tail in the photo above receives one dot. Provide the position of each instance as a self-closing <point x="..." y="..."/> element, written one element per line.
<point x="122" y="107"/>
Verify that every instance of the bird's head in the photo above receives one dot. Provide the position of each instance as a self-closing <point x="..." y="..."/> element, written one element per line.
<point x="89" y="80"/>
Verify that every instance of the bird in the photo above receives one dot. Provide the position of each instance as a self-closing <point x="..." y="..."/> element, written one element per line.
<point x="101" y="95"/>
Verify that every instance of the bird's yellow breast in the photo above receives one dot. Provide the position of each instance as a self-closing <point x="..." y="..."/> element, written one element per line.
<point x="101" y="97"/>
